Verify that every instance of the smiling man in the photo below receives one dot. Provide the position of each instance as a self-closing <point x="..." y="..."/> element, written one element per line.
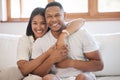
<point x="83" y="56"/>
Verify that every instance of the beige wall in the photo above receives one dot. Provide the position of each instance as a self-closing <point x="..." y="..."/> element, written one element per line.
<point x="95" y="27"/>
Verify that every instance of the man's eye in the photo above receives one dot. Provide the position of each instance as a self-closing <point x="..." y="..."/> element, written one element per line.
<point x="57" y="15"/>
<point x="48" y="16"/>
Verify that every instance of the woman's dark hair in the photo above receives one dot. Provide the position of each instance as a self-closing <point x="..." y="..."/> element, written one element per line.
<point x="35" y="12"/>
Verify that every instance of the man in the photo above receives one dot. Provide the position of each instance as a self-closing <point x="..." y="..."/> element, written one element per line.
<point x="83" y="56"/>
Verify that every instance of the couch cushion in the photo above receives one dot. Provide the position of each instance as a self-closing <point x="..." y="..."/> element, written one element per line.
<point x="8" y="49"/>
<point x="109" y="78"/>
<point x="109" y="47"/>
<point x="110" y="50"/>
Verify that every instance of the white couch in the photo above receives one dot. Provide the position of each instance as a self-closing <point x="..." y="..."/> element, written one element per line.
<point x="109" y="47"/>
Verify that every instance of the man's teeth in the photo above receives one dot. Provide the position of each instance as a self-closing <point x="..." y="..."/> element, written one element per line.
<point x="54" y="24"/>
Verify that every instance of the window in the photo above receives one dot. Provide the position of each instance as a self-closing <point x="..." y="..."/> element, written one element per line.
<point x="77" y="6"/>
<point x="23" y="8"/>
<point x="20" y="10"/>
<point x="108" y="5"/>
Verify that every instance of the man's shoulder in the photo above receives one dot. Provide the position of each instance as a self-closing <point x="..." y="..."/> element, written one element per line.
<point x="81" y="31"/>
<point x="81" y="34"/>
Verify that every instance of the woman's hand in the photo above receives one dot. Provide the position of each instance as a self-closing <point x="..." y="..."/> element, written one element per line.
<point x="61" y="42"/>
<point x="57" y="55"/>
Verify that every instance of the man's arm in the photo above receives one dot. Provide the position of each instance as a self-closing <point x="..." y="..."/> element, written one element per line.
<point x="90" y="52"/>
<point x="94" y="62"/>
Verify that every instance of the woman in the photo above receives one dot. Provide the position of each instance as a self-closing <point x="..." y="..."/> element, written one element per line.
<point x="37" y="28"/>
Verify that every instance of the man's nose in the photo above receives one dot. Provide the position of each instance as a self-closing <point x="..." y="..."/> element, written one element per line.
<point x="54" y="19"/>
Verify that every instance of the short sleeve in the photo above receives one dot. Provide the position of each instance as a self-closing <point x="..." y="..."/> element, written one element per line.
<point x="23" y="49"/>
<point x="89" y="42"/>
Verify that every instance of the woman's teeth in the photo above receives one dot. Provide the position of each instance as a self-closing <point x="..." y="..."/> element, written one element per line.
<point x="39" y="31"/>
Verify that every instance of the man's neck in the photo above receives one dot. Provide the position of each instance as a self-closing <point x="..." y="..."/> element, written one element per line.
<point x="57" y="33"/>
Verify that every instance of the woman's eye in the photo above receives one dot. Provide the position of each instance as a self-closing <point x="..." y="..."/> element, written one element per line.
<point x="35" y="23"/>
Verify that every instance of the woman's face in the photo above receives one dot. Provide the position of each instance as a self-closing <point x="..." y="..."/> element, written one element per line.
<point x="39" y="26"/>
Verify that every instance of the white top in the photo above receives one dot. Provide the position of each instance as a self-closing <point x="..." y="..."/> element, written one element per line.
<point x="24" y="50"/>
<point x="80" y="42"/>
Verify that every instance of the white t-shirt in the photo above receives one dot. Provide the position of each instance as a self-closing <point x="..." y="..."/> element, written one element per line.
<point x="79" y="42"/>
<point x="24" y="50"/>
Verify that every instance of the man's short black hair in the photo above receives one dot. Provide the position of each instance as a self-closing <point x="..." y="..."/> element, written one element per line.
<point x="54" y="3"/>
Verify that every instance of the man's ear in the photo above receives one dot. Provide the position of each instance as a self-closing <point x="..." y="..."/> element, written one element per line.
<point x="65" y="16"/>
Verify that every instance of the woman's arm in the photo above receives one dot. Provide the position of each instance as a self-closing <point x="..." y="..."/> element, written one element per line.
<point x="26" y="65"/>
<point x="75" y="25"/>
<point x="72" y="27"/>
<point x="38" y="65"/>
<point x="56" y="55"/>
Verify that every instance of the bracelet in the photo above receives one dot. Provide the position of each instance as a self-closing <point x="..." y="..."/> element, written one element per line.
<point x="66" y="32"/>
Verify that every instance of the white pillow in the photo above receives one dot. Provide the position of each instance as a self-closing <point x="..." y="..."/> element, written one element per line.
<point x="110" y="51"/>
<point x="8" y="50"/>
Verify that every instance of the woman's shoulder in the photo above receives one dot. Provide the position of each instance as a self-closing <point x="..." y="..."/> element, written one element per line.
<point x="26" y="38"/>
<point x="23" y="37"/>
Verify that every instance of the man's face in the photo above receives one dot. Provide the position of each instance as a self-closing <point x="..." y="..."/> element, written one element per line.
<point x="54" y="18"/>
